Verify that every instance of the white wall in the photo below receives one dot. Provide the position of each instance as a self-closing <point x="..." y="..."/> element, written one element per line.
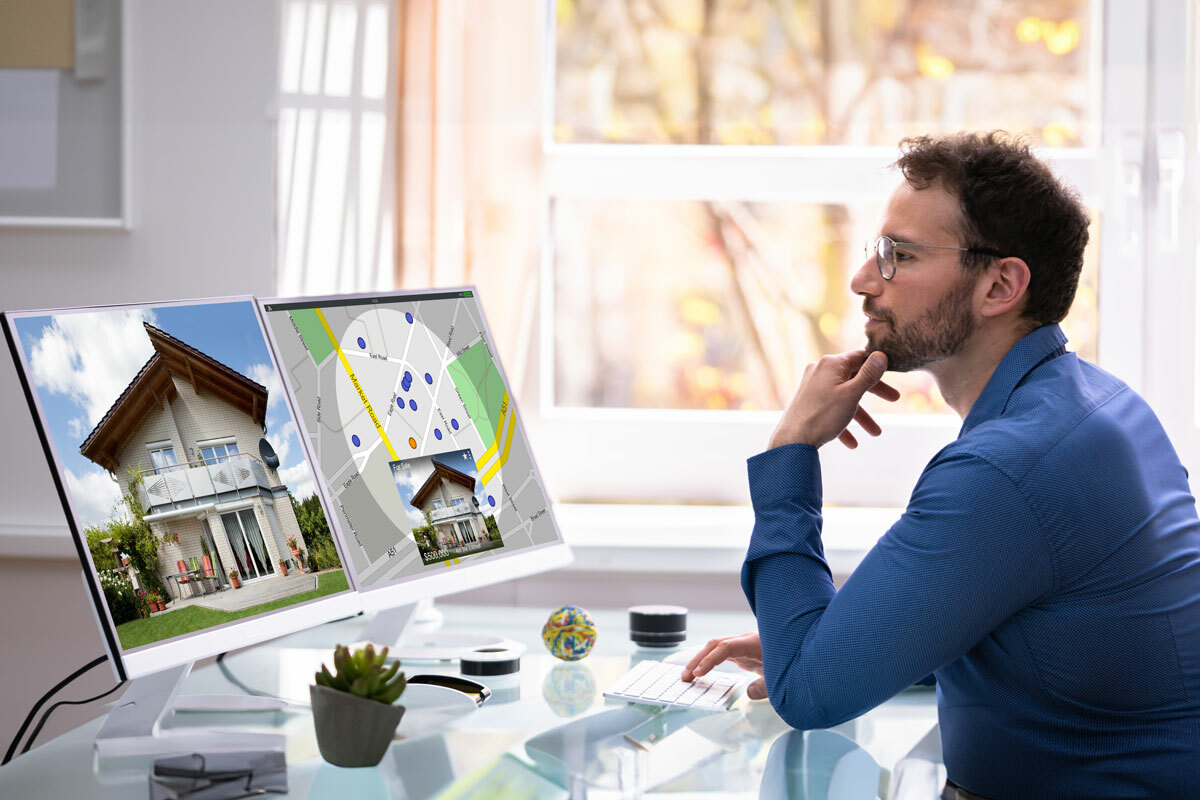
<point x="203" y="81"/>
<point x="203" y="88"/>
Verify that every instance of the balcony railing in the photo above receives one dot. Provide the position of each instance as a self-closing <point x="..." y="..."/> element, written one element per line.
<point x="462" y="510"/>
<point x="195" y="481"/>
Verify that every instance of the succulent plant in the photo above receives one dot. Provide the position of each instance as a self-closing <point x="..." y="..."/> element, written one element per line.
<point x="363" y="673"/>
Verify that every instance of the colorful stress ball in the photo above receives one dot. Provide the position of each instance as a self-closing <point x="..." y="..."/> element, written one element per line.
<point x="569" y="634"/>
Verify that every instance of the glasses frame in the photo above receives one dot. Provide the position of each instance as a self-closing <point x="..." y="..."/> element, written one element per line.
<point x="881" y="262"/>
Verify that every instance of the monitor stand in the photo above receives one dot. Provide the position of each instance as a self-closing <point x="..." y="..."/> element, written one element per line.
<point x="134" y="726"/>
<point x="411" y="633"/>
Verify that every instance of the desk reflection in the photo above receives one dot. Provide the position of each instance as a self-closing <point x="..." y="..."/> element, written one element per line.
<point x="818" y="765"/>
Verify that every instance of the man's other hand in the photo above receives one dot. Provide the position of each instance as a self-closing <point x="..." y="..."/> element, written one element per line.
<point x="828" y="399"/>
<point x="745" y="650"/>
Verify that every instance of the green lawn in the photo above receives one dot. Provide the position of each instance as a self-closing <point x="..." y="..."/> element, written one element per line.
<point x="195" y="618"/>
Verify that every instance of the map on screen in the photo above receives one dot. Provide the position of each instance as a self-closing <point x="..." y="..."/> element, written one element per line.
<point x="414" y="430"/>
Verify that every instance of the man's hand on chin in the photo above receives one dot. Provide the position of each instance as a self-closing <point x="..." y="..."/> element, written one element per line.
<point x="828" y="399"/>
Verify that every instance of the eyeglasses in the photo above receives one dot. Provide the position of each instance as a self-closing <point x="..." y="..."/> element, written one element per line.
<point x="885" y="253"/>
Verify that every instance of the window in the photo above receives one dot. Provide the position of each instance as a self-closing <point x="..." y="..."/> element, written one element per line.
<point x="438" y="504"/>
<point x="335" y="192"/>
<point x="162" y="459"/>
<point x="218" y="453"/>
<point x="711" y="172"/>
<point x="457" y="501"/>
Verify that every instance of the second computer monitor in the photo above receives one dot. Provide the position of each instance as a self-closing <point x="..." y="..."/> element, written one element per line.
<point x="414" y="429"/>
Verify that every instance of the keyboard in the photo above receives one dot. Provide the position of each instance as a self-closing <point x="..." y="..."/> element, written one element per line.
<point x="657" y="683"/>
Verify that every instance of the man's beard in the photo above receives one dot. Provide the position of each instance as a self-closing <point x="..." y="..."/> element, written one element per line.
<point x="938" y="333"/>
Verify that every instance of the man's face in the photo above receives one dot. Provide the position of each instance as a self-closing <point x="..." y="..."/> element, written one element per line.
<point x="925" y="313"/>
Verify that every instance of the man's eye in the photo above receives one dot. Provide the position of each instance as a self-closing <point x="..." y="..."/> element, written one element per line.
<point x="903" y="256"/>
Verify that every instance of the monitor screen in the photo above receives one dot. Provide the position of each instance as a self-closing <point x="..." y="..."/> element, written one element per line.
<point x="183" y="475"/>
<point x="422" y="455"/>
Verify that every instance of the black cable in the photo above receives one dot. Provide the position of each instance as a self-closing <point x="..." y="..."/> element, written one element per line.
<point x="33" y="736"/>
<point x="229" y="676"/>
<point x="12" y="748"/>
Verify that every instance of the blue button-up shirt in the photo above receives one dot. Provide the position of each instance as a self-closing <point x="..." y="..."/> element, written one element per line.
<point x="1046" y="571"/>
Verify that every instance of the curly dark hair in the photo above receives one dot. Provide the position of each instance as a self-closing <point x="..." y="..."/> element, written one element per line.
<point x="1011" y="203"/>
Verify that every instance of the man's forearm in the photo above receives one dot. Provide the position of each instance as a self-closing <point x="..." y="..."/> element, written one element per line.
<point x="785" y="577"/>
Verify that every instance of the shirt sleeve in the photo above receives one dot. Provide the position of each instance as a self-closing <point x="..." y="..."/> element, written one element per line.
<point x="967" y="554"/>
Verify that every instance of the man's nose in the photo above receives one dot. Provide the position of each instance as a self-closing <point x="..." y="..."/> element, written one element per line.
<point x="867" y="280"/>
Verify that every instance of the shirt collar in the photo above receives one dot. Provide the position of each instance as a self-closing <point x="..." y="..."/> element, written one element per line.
<point x="1025" y="355"/>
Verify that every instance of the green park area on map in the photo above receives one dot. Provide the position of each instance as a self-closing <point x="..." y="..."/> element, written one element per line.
<point x="313" y="333"/>
<point x="482" y="389"/>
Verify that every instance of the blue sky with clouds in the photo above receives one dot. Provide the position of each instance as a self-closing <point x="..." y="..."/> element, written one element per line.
<point x="80" y="362"/>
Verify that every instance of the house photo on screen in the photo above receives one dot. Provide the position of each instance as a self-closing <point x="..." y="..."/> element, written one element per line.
<point x="183" y="464"/>
<point x="441" y="499"/>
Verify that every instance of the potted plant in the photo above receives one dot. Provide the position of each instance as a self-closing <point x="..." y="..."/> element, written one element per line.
<point x="283" y="566"/>
<point x="293" y="545"/>
<point x="353" y="710"/>
<point x="234" y="579"/>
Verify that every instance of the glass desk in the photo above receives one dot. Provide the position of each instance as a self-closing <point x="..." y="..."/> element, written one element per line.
<point x="546" y="732"/>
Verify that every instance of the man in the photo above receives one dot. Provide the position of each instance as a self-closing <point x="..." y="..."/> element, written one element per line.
<point x="1047" y="568"/>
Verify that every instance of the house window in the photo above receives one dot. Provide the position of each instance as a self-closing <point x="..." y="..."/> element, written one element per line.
<point x="438" y="504"/>
<point x="457" y="501"/>
<point x="217" y="453"/>
<point x="163" y="460"/>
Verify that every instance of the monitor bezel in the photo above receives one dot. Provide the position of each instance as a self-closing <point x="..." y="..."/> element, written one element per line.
<point x="497" y="568"/>
<point x="196" y="645"/>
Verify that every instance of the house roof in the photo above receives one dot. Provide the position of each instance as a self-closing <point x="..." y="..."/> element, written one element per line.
<point x="440" y="472"/>
<point x="153" y="382"/>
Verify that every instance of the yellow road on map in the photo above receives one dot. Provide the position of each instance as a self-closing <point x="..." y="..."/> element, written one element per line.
<point x="491" y="473"/>
<point x="491" y="451"/>
<point x="354" y="379"/>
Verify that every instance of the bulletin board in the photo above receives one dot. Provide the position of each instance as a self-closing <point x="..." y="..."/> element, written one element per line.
<point x="64" y="114"/>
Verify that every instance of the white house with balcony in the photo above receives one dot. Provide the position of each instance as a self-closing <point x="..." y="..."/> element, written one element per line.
<point x="188" y="426"/>
<point x="448" y="497"/>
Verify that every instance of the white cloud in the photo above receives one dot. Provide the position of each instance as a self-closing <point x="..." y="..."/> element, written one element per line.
<point x="91" y="357"/>
<point x="93" y="495"/>
<point x="77" y="426"/>
<point x="298" y="480"/>
<point x="281" y="439"/>
<point x="268" y="377"/>
<point x="411" y="483"/>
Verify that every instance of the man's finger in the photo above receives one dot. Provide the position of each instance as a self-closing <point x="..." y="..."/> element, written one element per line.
<point x="867" y="422"/>
<point x="871" y="371"/>
<point x="757" y="690"/>
<point x="714" y="654"/>
<point x="847" y="438"/>
<point x="690" y="670"/>
<point x="886" y="391"/>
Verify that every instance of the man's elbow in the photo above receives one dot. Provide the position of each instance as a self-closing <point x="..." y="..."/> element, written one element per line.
<point x="803" y="713"/>
<point x="798" y="711"/>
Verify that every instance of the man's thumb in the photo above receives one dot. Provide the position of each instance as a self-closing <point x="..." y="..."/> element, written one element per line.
<point x="757" y="690"/>
<point x="871" y="372"/>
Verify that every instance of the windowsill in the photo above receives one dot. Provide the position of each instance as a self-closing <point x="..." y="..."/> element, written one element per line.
<point x="695" y="538"/>
<point x="609" y="537"/>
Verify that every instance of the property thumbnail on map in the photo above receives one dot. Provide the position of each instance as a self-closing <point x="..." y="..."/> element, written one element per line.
<point x="440" y="499"/>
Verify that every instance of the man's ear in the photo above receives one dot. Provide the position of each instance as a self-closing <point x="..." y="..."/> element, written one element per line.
<point x="1007" y="281"/>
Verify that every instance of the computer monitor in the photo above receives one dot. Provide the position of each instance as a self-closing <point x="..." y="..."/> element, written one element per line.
<point x="179" y="467"/>
<point x="368" y="445"/>
<point x="422" y="453"/>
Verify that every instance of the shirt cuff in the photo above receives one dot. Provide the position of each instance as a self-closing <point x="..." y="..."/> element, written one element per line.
<point x="790" y="473"/>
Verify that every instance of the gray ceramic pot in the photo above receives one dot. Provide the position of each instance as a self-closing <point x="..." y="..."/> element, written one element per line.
<point x="352" y="731"/>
